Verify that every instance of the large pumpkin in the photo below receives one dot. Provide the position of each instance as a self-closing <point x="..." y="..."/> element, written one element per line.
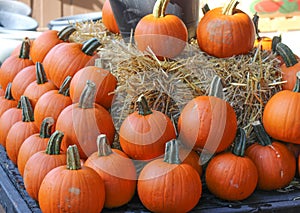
<point x="167" y="185"/>
<point x="108" y="18"/>
<point x="144" y="133"/>
<point x="72" y="188"/>
<point x="165" y="34"/>
<point x="225" y="32"/>
<point x="117" y="170"/>
<point x="208" y="123"/>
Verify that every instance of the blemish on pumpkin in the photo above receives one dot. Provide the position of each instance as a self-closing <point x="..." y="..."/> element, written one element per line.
<point x="74" y="190"/>
<point x="234" y="184"/>
<point x="217" y="35"/>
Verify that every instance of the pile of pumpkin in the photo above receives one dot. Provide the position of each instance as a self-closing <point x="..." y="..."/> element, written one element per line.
<point x="56" y="126"/>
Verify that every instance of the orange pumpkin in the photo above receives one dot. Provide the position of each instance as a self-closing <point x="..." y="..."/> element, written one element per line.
<point x="165" y="34"/>
<point x="225" y="32"/>
<point x="7" y="101"/>
<point x="108" y="18"/>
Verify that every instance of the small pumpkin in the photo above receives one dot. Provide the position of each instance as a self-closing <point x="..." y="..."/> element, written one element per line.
<point x="181" y="183"/>
<point x="34" y="143"/>
<point x="117" y="171"/>
<point x="108" y="18"/>
<point x="7" y="101"/>
<point x="208" y="123"/>
<point x="144" y="133"/>
<point x="20" y="130"/>
<point x="275" y="163"/>
<point x="72" y="188"/>
<point x="42" y="162"/>
<point x="47" y="40"/>
<point x="231" y="175"/>
<point x="82" y="122"/>
<point x="165" y="34"/>
<point x="281" y="113"/>
<point x="262" y="42"/>
<point x="65" y="59"/>
<point x="225" y="32"/>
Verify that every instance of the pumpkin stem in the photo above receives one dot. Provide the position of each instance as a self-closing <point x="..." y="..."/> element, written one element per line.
<point x="87" y="97"/>
<point x="216" y="88"/>
<point x="159" y="9"/>
<point x="53" y="146"/>
<point x="8" y="95"/>
<point x="229" y="8"/>
<point x="19" y="106"/>
<point x="73" y="158"/>
<point x="255" y="22"/>
<point x="297" y="84"/>
<point x="25" y="49"/>
<point x="262" y="136"/>
<point x="46" y="127"/>
<point x="239" y="143"/>
<point x="65" y="87"/>
<point x="66" y="32"/>
<point x="27" y="111"/>
<point x="172" y="152"/>
<point x="205" y="9"/>
<point x="275" y="41"/>
<point x="287" y="54"/>
<point x="142" y="105"/>
<point x="90" y="46"/>
<point x="103" y="147"/>
<point x="41" y="77"/>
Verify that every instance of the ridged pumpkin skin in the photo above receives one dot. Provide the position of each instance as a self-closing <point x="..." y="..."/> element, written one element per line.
<point x="207" y="122"/>
<point x="223" y="35"/>
<point x="108" y="18"/>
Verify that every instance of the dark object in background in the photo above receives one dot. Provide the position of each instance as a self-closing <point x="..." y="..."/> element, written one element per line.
<point x="128" y="13"/>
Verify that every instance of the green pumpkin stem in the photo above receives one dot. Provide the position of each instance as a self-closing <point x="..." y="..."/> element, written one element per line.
<point x="142" y="105"/>
<point x="65" y="87"/>
<point x="25" y="49"/>
<point x="239" y="143"/>
<point x="87" y="97"/>
<point x="8" y="95"/>
<point x="90" y="46"/>
<point x="27" y="111"/>
<point x="159" y="9"/>
<point x="41" y="77"/>
<point x="287" y="54"/>
<point x="255" y="22"/>
<point x="66" y="32"/>
<point x="73" y="158"/>
<point x="205" y="9"/>
<point x="297" y="84"/>
<point x="275" y="41"/>
<point x="46" y="127"/>
<point x="216" y="88"/>
<point x="229" y="8"/>
<point x="104" y="148"/>
<point x="172" y="152"/>
<point x="19" y="106"/>
<point x="54" y="143"/>
<point x="262" y="136"/>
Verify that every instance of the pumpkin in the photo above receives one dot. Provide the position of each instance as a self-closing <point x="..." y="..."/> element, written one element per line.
<point x="262" y="42"/>
<point x="104" y="80"/>
<point x="47" y="40"/>
<point x="17" y="49"/>
<point x="20" y="130"/>
<point x="14" y="64"/>
<point x="7" y="119"/>
<point x="108" y="18"/>
<point x="290" y="66"/>
<point x="208" y="123"/>
<point x="165" y="34"/>
<point x="144" y="133"/>
<point x="281" y="113"/>
<point x="72" y="188"/>
<point x="116" y="170"/>
<point x="167" y="185"/>
<point x="39" y="87"/>
<point x="2" y="92"/>
<point x="65" y="59"/>
<point x="42" y="162"/>
<point x="22" y="80"/>
<point x="225" y="32"/>
<point x="275" y="163"/>
<point x="7" y="101"/>
<point x="51" y="103"/>
<point x="34" y="143"/>
<point x="82" y="122"/>
<point x="231" y="175"/>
